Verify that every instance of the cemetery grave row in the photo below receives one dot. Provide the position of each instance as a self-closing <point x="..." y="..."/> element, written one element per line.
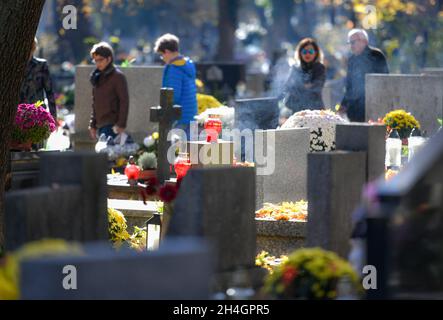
<point x="218" y="204"/>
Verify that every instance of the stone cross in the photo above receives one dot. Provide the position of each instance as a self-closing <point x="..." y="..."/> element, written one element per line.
<point x="165" y="115"/>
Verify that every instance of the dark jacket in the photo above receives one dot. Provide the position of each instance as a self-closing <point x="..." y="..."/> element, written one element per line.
<point x="303" y="89"/>
<point x="371" y="60"/>
<point x="180" y="75"/>
<point x="110" y="98"/>
<point x="37" y="83"/>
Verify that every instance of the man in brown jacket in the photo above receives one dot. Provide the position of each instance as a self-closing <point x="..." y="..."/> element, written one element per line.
<point x="110" y="96"/>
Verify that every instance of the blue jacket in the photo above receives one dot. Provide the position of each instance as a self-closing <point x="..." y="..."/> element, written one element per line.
<point x="180" y="75"/>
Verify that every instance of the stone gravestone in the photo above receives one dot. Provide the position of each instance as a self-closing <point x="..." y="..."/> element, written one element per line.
<point x="42" y="212"/>
<point x="180" y="270"/>
<point x="218" y="204"/>
<point x="405" y="230"/>
<point x="22" y="170"/>
<point x="70" y="202"/>
<point x="165" y="115"/>
<point x="364" y="137"/>
<point x="144" y="84"/>
<point x="335" y="181"/>
<point x="422" y="95"/>
<point x="287" y="182"/>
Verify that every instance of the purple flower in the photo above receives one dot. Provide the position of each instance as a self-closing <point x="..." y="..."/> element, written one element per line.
<point x="32" y="123"/>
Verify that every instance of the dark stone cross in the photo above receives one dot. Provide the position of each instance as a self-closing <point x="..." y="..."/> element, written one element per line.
<point x="165" y="115"/>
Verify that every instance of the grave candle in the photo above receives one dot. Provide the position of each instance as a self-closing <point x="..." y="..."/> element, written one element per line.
<point x="182" y="165"/>
<point x="393" y="150"/>
<point x="415" y="142"/>
<point x="132" y="171"/>
<point x="213" y="127"/>
<point x="153" y="232"/>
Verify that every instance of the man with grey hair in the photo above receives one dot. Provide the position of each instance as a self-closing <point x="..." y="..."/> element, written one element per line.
<point x="364" y="59"/>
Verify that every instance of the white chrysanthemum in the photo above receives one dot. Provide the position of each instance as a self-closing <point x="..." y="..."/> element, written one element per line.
<point x="322" y="127"/>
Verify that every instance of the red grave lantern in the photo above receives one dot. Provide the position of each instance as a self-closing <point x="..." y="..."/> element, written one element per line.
<point x="182" y="165"/>
<point x="213" y="127"/>
<point x="132" y="171"/>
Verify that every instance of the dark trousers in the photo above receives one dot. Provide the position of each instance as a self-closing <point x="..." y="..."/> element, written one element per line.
<point x="356" y="111"/>
<point x="107" y="131"/>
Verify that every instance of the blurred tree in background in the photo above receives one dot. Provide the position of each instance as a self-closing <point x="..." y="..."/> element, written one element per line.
<point x="410" y="32"/>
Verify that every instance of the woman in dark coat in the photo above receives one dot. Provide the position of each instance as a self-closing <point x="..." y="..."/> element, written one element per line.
<point x="303" y="89"/>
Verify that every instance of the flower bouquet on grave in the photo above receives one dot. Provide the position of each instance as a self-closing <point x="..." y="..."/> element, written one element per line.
<point x="33" y="124"/>
<point x="117" y="227"/>
<point x="402" y="121"/>
<point x="321" y="124"/>
<point x="10" y="263"/>
<point x="285" y="211"/>
<point x="205" y="101"/>
<point x="311" y="274"/>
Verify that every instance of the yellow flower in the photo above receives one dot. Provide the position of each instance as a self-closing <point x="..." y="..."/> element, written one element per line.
<point x="400" y="120"/>
<point x="317" y="267"/>
<point x="155" y="135"/>
<point x="206" y="102"/>
<point x="117" y="226"/>
<point x="9" y="272"/>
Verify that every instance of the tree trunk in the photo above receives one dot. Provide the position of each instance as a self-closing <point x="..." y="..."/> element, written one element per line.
<point x="19" y="20"/>
<point x="282" y="11"/>
<point x="227" y="23"/>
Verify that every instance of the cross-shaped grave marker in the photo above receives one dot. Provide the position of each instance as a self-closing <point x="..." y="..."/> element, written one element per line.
<point x="165" y="115"/>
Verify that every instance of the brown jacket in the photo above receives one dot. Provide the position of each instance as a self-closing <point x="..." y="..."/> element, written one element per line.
<point x="110" y="98"/>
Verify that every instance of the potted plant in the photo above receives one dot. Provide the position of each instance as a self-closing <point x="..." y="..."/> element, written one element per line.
<point x="148" y="164"/>
<point x="402" y="121"/>
<point x="311" y="273"/>
<point x="33" y="124"/>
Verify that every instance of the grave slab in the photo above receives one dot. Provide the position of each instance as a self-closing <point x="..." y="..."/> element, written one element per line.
<point x="364" y="137"/>
<point x="180" y="270"/>
<point x="422" y="95"/>
<point x="335" y="181"/>
<point x="287" y="182"/>
<point x="44" y="212"/>
<point x="218" y="204"/>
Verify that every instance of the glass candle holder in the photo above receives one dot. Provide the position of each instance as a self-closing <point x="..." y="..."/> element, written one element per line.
<point x="213" y="127"/>
<point x="393" y="151"/>
<point x="182" y="165"/>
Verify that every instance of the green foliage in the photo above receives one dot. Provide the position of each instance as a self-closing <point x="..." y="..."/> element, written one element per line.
<point x="34" y="134"/>
<point x="147" y="160"/>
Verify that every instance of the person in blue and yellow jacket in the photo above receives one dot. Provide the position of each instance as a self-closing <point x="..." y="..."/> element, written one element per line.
<point x="179" y="74"/>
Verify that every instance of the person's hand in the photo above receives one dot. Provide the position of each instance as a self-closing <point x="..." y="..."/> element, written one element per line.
<point x="118" y="129"/>
<point x="93" y="133"/>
